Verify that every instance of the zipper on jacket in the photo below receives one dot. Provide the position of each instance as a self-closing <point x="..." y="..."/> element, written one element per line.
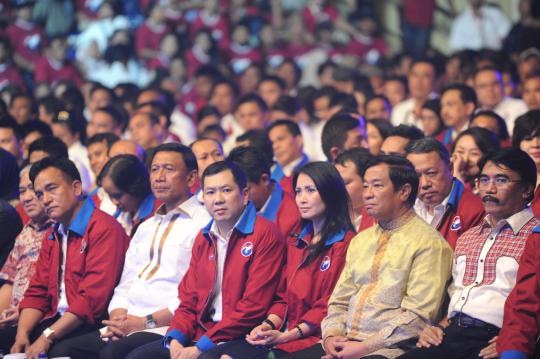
<point x="203" y="312"/>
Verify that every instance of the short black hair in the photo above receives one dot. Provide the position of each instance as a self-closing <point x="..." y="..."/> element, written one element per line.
<point x="466" y="93"/>
<point x="527" y="126"/>
<point x="51" y="104"/>
<point x="128" y="174"/>
<point x="224" y="81"/>
<point x="51" y="145"/>
<point x="251" y="161"/>
<point x="334" y="132"/>
<point x="427" y="145"/>
<point x="212" y="129"/>
<point x="217" y="167"/>
<point x="383" y="126"/>
<point x="401" y="172"/>
<point x="503" y="128"/>
<point x="107" y="137"/>
<point x="36" y="126"/>
<point x="325" y="91"/>
<point x="118" y="116"/>
<point x="98" y="87"/>
<point x="70" y="121"/>
<point x="207" y="111"/>
<point x="275" y="79"/>
<point x="287" y="104"/>
<point x="378" y="97"/>
<point x="187" y="154"/>
<point x="251" y="97"/>
<point x="291" y="126"/>
<point x="259" y="139"/>
<point x="296" y="69"/>
<point x="409" y="132"/>
<point x="63" y="164"/>
<point x="154" y="119"/>
<point x="202" y="138"/>
<point x="358" y="156"/>
<point x="345" y="101"/>
<point x="486" y="140"/>
<point x="515" y="160"/>
<point x="8" y="122"/>
<point x="488" y="68"/>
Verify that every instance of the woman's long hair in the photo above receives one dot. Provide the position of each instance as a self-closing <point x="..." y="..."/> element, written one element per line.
<point x="335" y="197"/>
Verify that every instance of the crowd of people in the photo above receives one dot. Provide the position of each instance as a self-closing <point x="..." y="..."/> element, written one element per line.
<point x="258" y="179"/>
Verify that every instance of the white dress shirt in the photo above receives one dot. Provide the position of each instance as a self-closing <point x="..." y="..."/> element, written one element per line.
<point x="221" y="247"/>
<point x="510" y="109"/>
<point x="438" y="211"/>
<point x="79" y="155"/>
<point x="157" y="259"/>
<point x="62" y="299"/>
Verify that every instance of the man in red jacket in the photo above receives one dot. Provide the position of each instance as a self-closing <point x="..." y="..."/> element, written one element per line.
<point x="79" y="264"/>
<point x="233" y="274"/>
<point x="269" y="198"/>
<point x="442" y="200"/>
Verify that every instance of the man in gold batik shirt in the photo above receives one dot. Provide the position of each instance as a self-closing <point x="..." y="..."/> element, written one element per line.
<point x="395" y="274"/>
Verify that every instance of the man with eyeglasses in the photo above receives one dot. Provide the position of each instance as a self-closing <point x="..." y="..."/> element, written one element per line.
<point x="443" y="201"/>
<point x="486" y="261"/>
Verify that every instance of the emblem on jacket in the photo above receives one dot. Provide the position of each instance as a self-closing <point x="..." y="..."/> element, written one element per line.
<point x="325" y="264"/>
<point x="247" y="249"/>
<point x="456" y="223"/>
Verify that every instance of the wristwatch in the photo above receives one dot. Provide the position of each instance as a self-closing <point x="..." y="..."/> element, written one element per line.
<point x="48" y="333"/>
<point x="150" y="323"/>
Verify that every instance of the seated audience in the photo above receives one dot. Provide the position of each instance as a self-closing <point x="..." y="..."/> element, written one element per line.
<point x="443" y="201"/>
<point x="145" y="129"/>
<point x="469" y="147"/>
<point x="343" y="132"/>
<point x="126" y="180"/>
<point x="378" y="106"/>
<point x="98" y="150"/>
<point x="20" y="266"/>
<point x="493" y="122"/>
<point x="315" y="259"/>
<point x="127" y="147"/>
<point x="68" y="293"/>
<point x="258" y="139"/>
<point x="395" y="271"/>
<point x="106" y="119"/>
<point x="486" y="262"/>
<point x="430" y="116"/>
<point x="287" y="144"/>
<point x="156" y="261"/>
<point x="399" y="138"/>
<point x="531" y="92"/>
<point x="270" y="200"/>
<point x="377" y="131"/>
<point x="47" y="146"/>
<point x="233" y="274"/>
<point x="458" y="103"/>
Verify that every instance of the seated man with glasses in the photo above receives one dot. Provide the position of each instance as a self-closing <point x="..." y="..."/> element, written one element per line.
<point x="486" y="260"/>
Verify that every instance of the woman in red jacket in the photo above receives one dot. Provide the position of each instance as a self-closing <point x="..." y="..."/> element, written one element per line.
<point x="315" y="259"/>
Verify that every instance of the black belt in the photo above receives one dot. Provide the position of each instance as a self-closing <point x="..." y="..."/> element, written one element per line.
<point x="465" y="321"/>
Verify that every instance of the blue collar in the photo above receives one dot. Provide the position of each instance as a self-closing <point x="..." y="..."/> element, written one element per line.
<point x="274" y="201"/>
<point x="277" y="174"/>
<point x="447" y="137"/>
<point x="536" y="229"/>
<point x="245" y="224"/>
<point x="336" y="237"/>
<point x="80" y="223"/>
<point x="147" y="207"/>
<point x="456" y="193"/>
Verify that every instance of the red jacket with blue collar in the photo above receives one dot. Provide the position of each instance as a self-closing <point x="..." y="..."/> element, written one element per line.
<point x="306" y="288"/>
<point x="464" y="210"/>
<point x="251" y="275"/>
<point x="281" y="209"/>
<point x="286" y="182"/>
<point x="95" y="257"/>
<point x="521" y="325"/>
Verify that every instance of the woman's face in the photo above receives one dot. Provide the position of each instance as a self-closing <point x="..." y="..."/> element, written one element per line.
<point x="469" y="152"/>
<point x="531" y="145"/>
<point x="430" y="122"/>
<point x="308" y="199"/>
<point x="375" y="139"/>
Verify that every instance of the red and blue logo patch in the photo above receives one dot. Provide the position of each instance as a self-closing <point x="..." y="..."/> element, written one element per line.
<point x="325" y="264"/>
<point x="456" y="223"/>
<point x="247" y="249"/>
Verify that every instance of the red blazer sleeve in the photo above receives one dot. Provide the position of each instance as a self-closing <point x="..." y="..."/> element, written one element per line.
<point x="107" y="245"/>
<point x="522" y="309"/>
<point x="36" y="296"/>
<point x="279" y="307"/>
<point x="185" y="316"/>
<point x="264" y="277"/>
<point x="41" y="72"/>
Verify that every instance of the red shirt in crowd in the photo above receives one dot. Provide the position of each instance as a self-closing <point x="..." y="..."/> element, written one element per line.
<point x="51" y="71"/>
<point x="27" y="39"/>
<point x="535" y="204"/>
<point x="96" y="246"/>
<point x="419" y="12"/>
<point x="149" y="37"/>
<point x="521" y="325"/>
<point x="312" y="19"/>
<point x="281" y="209"/>
<point x="9" y="75"/>
<point x="251" y="275"/>
<point x="306" y="288"/>
<point x="216" y="24"/>
<point x="240" y="57"/>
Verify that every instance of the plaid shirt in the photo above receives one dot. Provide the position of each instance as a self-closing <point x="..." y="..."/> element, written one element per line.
<point x="486" y="260"/>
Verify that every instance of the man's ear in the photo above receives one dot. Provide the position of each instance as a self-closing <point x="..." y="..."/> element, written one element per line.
<point x="77" y="187"/>
<point x="405" y="192"/>
<point x="192" y="178"/>
<point x="245" y="196"/>
<point x="265" y="179"/>
<point x="334" y="152"/>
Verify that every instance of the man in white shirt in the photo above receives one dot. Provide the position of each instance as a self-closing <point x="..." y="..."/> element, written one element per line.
<point x="489" y="88"/>
<point x="421" y="82"/>
<point x="156" y="261"/>
<point x="479" y="27"/>
<point x="458" y="102"/>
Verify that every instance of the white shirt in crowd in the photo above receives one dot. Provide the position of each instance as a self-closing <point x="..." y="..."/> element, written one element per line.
<point x="403" y="113"/>
<point x="78" y="153"/>
<point x="438" y="211"/>
<point x="157" y="259"/>
<point x="487" y="31"/>
<point x="62" y="299"/>
<point x="510" y="109"/>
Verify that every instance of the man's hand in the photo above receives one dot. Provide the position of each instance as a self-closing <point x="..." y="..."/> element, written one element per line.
<point x="22" y="343"/>
<point x="9" y="317"/>
<point x="348" y="349"/>
<point x="430" y="336"/>
<point x="329" y="346"/>
<point x="122" y="325"/>
<point x="491" y="350"/>
<point x="41" y="345"/>
<point x="264" y="336"/>
<point x="178" y="351"/>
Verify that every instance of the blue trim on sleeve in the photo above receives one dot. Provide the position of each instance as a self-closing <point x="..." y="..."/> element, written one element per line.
<point x="270" y="213"/>
<point x="205" y="344"/>
<point x="536" y="229"/>
<point x="177" y="335"/>
<point x="513" y="354"/>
